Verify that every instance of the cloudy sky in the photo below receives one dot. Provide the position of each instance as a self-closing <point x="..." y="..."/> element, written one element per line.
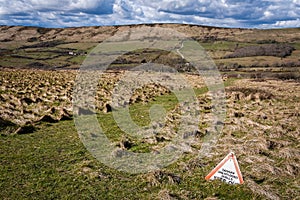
<point x="223" y="13"/>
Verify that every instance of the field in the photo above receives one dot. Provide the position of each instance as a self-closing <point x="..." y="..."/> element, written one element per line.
<point x="42" y="156"/>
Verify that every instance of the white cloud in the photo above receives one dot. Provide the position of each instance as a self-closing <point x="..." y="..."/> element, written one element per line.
<point x="268" y="14"/>
<point x="289" y="23"/>
<point x="84" y="4"/>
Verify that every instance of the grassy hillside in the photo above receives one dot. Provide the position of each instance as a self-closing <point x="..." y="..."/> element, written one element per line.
<point x="43" y="157"/>
<point x="45" y="48"/>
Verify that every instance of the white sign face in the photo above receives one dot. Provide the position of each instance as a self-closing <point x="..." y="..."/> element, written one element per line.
<point x="227" y="170"/>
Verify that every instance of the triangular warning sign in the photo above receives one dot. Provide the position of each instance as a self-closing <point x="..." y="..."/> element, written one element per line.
<point x="227" y="170"/>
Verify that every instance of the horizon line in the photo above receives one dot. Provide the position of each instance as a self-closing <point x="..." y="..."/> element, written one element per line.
<point x="150" y="24"/>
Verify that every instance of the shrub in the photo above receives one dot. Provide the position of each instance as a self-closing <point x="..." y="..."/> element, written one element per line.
<point x="43" y="30"/>
<point x="33" y="39"/>
<point x="288" y="76"/>
<point x="278" y="50"/>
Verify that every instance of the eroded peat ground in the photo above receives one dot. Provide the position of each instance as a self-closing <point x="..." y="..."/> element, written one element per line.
<point x="42" y="156"/>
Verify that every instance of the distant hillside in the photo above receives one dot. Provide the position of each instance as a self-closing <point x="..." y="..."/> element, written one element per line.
<point x="232" y="49"/>
<point x="98" y="34"/>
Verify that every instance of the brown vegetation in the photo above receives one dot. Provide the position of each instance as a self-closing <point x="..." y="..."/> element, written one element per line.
<point x="278" y="50"/>
<point x="262" y="121"/>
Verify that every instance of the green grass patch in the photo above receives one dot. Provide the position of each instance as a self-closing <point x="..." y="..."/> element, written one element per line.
<point x="296" y="46"/>
<point x="228" y="46"/>
<point x="52" y="163"/>
<point x="77" y="59"/>
<point x="86" y="46"/>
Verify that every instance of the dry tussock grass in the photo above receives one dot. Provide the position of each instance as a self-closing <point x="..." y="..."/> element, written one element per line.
<point x="262" y="124"/>
<point x="30" y="96"/>
<point x="265" y="135"/>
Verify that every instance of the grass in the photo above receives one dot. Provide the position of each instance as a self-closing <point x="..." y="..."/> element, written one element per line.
<point x="9" y="62"/>
<point x="52" y="163"/>
<point x="217" y="50"/>
<point x="139" y="113"/>
<point x="296" y="46"/>
<point x="53" y="56"/>
<point x="77" y="59"/>
<point x="227" y="46"/>
<point x="87" y="46"/>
